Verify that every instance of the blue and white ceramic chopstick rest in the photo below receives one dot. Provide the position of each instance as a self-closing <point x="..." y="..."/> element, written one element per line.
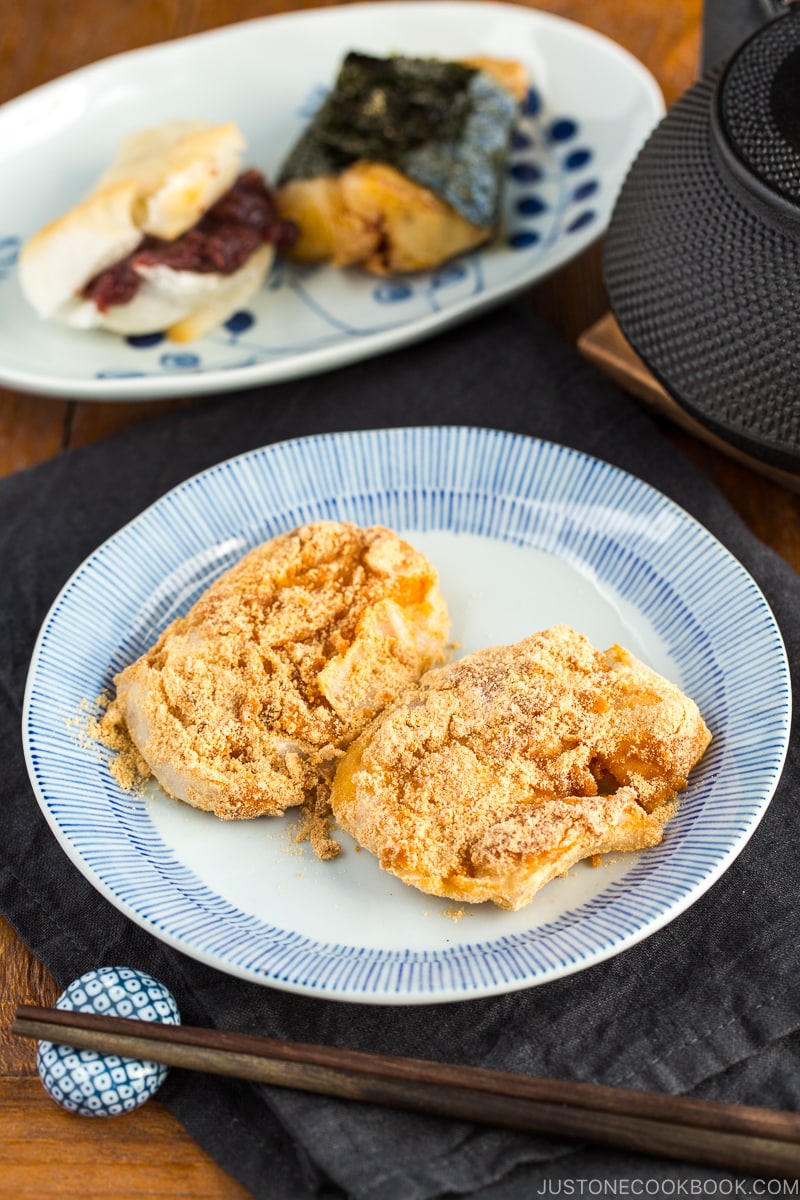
<point x="105" y="1085"/>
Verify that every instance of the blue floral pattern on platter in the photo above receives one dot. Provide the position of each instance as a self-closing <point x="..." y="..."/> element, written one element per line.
<point x="560" y="524"/>
<point x="546" y="160"/>
<point x="9" y="252"/>
<point x="547" y="183"/>
<point x="106" y="1085"/>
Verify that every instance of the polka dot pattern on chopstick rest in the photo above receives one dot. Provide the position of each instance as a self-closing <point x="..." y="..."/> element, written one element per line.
<point x="106" y="1085"/>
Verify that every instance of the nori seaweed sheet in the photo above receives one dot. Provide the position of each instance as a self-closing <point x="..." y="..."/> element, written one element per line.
<point x="444" y="125"/>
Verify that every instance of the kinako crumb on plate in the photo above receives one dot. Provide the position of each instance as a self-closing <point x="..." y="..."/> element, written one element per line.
<point x="314" y="825"/>
<point x="126" y="765"/>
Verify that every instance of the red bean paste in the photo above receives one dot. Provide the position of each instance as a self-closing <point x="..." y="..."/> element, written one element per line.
<point x="221" y="242"/>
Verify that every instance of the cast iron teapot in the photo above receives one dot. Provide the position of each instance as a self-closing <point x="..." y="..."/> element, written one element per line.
<point x="702" y="257"/>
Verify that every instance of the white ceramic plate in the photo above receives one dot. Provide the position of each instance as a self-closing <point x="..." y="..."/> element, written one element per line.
<point x="525" y="534"/>
<point x="590" y="108"/>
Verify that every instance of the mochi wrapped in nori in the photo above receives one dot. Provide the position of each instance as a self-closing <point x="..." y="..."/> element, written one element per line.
<point x="402" y="166"/>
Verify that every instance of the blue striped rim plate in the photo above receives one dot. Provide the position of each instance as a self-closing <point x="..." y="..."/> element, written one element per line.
<point x="525" y="534"/>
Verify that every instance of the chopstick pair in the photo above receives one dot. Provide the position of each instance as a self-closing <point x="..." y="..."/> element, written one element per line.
<point x="753" y="1141"/>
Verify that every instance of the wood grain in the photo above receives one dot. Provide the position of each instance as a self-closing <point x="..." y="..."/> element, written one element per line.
<point x="32" y="429"/>
<point x="44" y="1151"/>
<point x="21" y="975"/>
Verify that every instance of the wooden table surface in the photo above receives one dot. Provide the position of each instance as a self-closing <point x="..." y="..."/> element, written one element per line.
<point x="45" y="1151"/>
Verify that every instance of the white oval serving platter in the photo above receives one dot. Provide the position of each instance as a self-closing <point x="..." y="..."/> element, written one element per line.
<point x="590" y="107"/>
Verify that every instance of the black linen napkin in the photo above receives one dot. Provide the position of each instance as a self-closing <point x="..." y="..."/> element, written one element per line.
<point x="709" y="1005"/>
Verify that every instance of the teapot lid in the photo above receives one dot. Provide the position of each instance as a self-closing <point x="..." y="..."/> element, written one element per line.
<point x="702" y="256"/>
<point x="756" y="116"/>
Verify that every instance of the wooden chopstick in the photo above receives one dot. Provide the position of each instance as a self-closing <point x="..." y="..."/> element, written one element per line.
<point x="751" y="1140"/>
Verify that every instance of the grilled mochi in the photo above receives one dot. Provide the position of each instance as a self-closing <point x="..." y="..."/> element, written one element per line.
<point x="402" y="166"/>
<point x="244" y="705"/>
<point x="500" y="771"/>
<point x="174" y="236"/>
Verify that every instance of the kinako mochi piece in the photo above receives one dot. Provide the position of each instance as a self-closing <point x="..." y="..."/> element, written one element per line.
<point x="503" y="769"/>
<point x="244" y="705"/>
